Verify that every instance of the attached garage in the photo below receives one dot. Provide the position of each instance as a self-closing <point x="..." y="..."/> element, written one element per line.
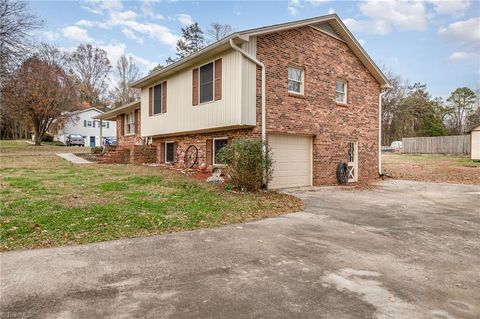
<point x="292" y="155"/>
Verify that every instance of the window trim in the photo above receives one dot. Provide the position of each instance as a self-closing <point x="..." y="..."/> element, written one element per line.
<point x="213" y="82"/>
<point x="345" y="94"/>
<point x="161" y="99"/>
<point x="302" y="82"/>
<point x="166" y="152"/>
<point x="214" y="148"/>
<point x="127" y="115"/>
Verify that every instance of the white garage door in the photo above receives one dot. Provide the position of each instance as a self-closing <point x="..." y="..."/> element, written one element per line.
<point x="293" y="160"/>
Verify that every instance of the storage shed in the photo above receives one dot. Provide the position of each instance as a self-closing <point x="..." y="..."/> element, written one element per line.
<point x="475" y="142"/>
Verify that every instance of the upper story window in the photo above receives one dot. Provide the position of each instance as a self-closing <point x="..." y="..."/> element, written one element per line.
<point x="157" y="99"/>
<point x="130" y="123"/>
<point x="206" y="83"/>
<point x="89" y="123"/>
<point x="295" y="80"/>
<point x="341" y="91"/>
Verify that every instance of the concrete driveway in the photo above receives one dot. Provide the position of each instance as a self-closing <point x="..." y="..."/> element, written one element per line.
<point x="402" y="250"/>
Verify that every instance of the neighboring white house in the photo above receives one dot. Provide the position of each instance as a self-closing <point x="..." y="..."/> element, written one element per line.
<point x="475" y="143"/>
<point x="81" y="122"/>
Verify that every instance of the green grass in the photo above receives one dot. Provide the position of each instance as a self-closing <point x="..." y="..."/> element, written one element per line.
<point x="46" y="201"/>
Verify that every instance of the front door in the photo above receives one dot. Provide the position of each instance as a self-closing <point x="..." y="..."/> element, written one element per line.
<point x="352" y="161"/>
<point x="92" y="141"/>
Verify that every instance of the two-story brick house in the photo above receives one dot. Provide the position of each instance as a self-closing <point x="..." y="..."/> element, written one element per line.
<point x="307" y="88"/>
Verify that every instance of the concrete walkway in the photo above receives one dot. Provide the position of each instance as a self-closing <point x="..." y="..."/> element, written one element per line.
<point x="73" y="158"/>
<point x="404" y="250"/>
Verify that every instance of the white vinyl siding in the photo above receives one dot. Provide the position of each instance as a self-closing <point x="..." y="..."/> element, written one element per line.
<point x="234" y="109"/>
<point x="292" y="155"/>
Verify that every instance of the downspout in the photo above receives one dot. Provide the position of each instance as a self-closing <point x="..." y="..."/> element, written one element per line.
<point x="380" y="131"/>
<point x="263" y="115"/>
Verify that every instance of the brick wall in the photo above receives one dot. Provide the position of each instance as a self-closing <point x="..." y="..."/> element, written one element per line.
<point x="324" y="59"/>
<point x="200" y="141"/>
<point x="124" y="140"/>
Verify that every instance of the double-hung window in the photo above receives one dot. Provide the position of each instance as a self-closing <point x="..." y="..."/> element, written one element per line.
<point x="130" y="123"/>
<point x="218" y="144"/>
<point x="157" y="99"/>
<point x="295" y="80"/>
<point x="169" y="152"/>
<point x="206" y="83"/>
<point x="341" y="91"/>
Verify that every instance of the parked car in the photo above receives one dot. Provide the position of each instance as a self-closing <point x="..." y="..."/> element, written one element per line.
<point x="396" y="145"/>
<point x="75" y="140"/>
<point x="110" y="141"/>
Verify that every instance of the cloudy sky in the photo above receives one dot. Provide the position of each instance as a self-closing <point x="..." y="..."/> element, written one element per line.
<point x="436" y="42"/>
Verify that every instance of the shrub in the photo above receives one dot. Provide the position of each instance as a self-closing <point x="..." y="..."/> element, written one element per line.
<point x="246" y="164"/>
<point x="58" y="143"/>
<point x="96" y="150"/>
<point x="47" y="137"/>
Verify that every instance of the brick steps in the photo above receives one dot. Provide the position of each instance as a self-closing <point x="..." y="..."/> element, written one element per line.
<point x="119" y="155"/>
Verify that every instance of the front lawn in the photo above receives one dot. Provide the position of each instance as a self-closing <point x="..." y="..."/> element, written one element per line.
<point x="47" y="201"/>
<point x="432" y="168"/>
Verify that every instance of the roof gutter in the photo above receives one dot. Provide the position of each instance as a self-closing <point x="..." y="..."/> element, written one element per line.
<point x="263" y="115"/>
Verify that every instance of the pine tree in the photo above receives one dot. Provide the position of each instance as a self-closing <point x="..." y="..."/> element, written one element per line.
<point x="192" y="40"/>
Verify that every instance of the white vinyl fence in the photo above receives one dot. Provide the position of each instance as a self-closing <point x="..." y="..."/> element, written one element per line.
<point x="458" y="144"/>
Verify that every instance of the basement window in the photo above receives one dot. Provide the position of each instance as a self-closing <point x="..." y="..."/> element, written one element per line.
<point x="169" y="152"/>
<point x="218" y="144"/>
<point x="295" y="80"/>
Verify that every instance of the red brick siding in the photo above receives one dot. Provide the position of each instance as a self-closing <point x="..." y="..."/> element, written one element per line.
<point x="324" y="59"/>
<point x="123" y="140"/>
<point x="200" y="141"/>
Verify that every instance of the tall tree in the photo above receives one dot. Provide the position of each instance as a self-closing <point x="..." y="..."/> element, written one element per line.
<point x="217" y="31"/>
<point x="40" y="93"/>
<point x="16" y="24"/>
<point x="126" y="72"/>
<point x="462" y="106"/>
<point x="158" y="67"/>
<point x="91" y="68"/>
<point x="191" y="41"/>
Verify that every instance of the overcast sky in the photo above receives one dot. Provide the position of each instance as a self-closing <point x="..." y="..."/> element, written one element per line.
<point x="435" y="42"/>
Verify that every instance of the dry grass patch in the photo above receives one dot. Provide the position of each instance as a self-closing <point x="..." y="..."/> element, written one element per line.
<point x="432" y="168"/>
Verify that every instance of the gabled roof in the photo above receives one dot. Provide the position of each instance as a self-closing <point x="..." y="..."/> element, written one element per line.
<point x="85" y="110"/>
<point x="112" y="114"/>
<point x="340" y="31"/>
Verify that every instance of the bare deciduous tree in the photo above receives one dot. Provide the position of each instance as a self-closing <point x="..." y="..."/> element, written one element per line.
<point x="91" y="68"/>
<point x="126" y="72"/>
<point x="40" y="93"/>
<point x="16" y="23"/>
<point x="217" y="31"/>
<point x="462" y="107"/>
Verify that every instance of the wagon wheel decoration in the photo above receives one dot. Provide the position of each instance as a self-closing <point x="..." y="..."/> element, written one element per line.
<point x="191" y="156"/>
